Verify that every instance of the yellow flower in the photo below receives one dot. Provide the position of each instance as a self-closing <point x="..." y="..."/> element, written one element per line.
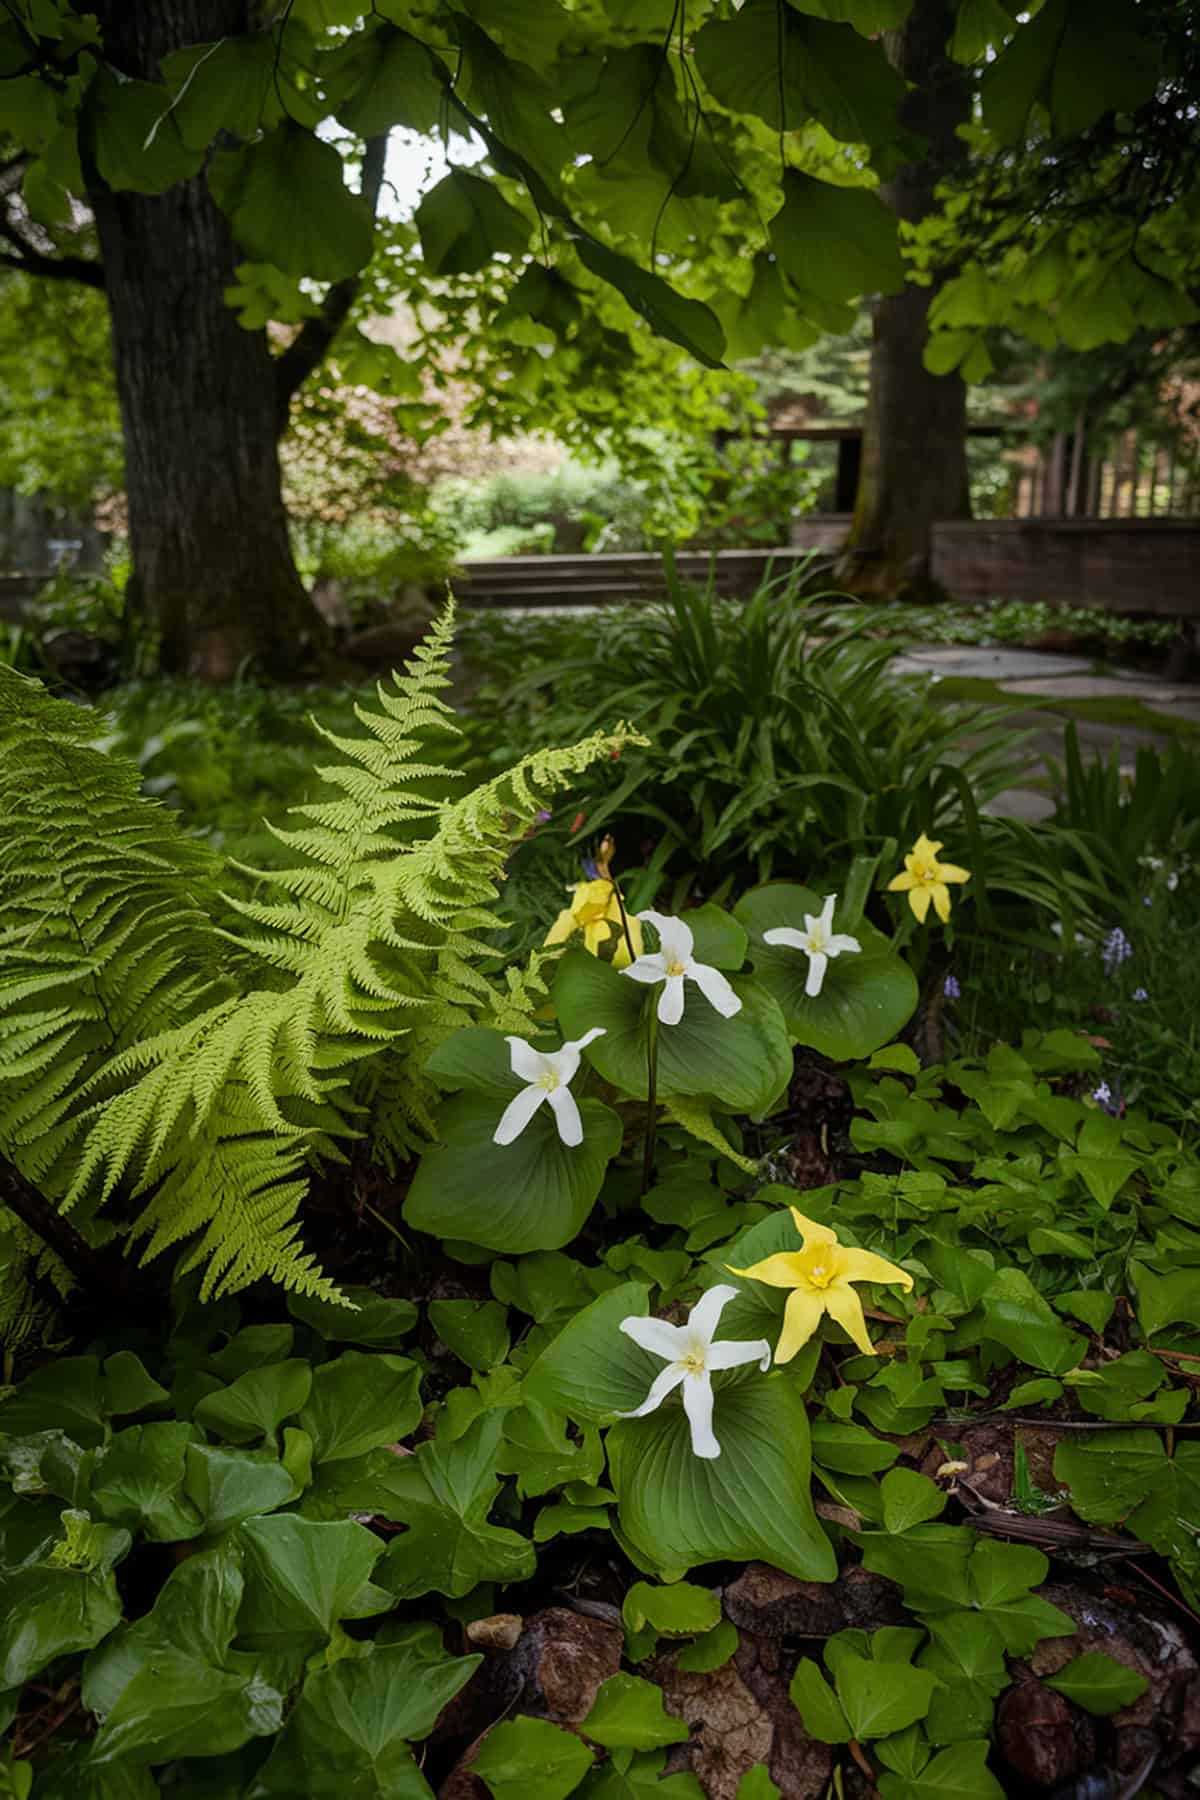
<point x="924" y="879"/>
<point x="596" y="911"/>
<point x="820" y="1274"/>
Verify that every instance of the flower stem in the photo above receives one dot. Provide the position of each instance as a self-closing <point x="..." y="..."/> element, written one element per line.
<point x="651" y="1098"/>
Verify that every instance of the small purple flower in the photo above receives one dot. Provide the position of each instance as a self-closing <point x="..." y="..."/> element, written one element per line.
<point x="1146" y="900"/>
<point x="951" y="988"/>
<point x="1117" y="949"/>
<point x="544" y="816"/>
<point x="1140" y="994"/>
<point x="1102" y="1095"/>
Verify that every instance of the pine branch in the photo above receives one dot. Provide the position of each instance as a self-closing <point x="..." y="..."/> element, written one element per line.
<point x="313" y="341"/>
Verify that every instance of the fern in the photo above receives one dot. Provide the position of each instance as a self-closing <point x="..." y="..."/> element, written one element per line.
<point x="245" y="1057"/>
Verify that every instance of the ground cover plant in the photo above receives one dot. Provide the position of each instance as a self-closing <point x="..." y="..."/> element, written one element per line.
<point x="628" y="1370"/>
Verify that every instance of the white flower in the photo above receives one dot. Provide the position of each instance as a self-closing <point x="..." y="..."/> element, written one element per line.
<point x="691" y="1356"/>
<point x="819" y="941"/>
<point x="548" y="1073"/>
<point x="672" y="964"/>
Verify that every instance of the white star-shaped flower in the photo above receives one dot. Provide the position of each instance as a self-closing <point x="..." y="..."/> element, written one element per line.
<point x="673" y="964"/>
<point x="819" y="941"/>
<point x="691" y="1358"/>
<point x="549" y="1073"/>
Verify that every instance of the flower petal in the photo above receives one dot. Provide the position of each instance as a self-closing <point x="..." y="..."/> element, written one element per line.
<point x="562" y="927"/>
<point x="840" y="944"/>
<point x="783" y="1270"/>
<point x="926" y="848"/>
<point x="787" y="936"/>
<point x="952" y="872"/>
<point x="816" y="974"/>
<point x="736" y="1351"/>
<point x="670" y="1001"/>
<point x="698" y="1405"/>
<point x="844" y="1306"/>
<point x="629" y="931"/>
<point x="595" y="933"/>
<point x="864" y="1265"/>
<point x="941" y="901"/>
<point x="656" y="1336"/>
<point x="705" y="1316"/>
<point x="566" y="1116"/>
<point x="589" y="1037"/>
<point x="525" y="1061"/>
<point x="900" y="884"/>
<point x="919" y="901"/>
<point x="518" y="1113"/>
<point x="649" y="968"/>
<point x="801" y="1316"/>
<point x="715" y="988"/>
<point x="675" y="938"/>
<point x="825" y="916"/>
<point x="660" y="1387"/>
<point x="810" y="1232"/>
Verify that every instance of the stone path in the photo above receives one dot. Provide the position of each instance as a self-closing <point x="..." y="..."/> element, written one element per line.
<point x="1033" y="675"/>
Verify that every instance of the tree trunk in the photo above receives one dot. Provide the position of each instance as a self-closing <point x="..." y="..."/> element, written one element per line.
<point x="213" y="566"/>
<point x="914" y="457"/>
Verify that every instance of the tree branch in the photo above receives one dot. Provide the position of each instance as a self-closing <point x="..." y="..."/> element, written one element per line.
<point x="33" y="262"/>
<point x="99" y="1272"/>
<point x="311" y="344"/>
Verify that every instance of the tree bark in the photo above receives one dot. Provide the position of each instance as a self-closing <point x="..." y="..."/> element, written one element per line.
<point x="198" y="393"/>
<point x="914" y="461"/>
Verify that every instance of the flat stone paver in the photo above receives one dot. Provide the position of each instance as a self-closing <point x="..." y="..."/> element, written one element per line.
<point x="1100" y="687"/>
<point x="987" y="664"/>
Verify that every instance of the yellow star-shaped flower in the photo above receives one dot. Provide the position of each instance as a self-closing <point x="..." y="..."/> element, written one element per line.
<point x="820" y="1274"/>
<point x="925" y="878"/>
<point x="595" y="910"/>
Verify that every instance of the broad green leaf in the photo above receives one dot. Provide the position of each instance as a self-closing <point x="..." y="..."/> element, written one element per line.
<point x="1171" y="1299"/>
<point x="680" y="1609"/>
<point x="753" y="1501"/>
<point x="712" y="1651"/>
<point x="850" y="1449"/>
<point x="74" y="1775"/>
<point x="257" y="1403"/>
<point x="523" y="1756"/>
<point x="227" y="1486"/>
<point x="744" y="1061"/>
<point x="177" y="1705"/>
<point x="909" y="1499"/>
<point x="48" y="1611"/>
<point x="628" y="1714"/>
<point x="865" y="999"/>
<point x="688" y="323"/>
<point x="818" y="1705"/>
<point x="370" y="1319"/>
<point x="638" y="1776"/>
<point x="532" y="1194"/>
<point x="538" y="1451"/>
<point x="756" y="1784"/>
<point x="836" y="243"/>
<point x="1016" y="1316"/>
<point x="347" y="1737"/>
<point x="76" y="1396"/>
<point x="1099" y="1683"/>
<point x="959" y="1773"/>
<point x="136" y="137"/>
<point x="881" y="1697"/>
<point x="238" y="84"/>
<point x="592" y="1371"/>
<point x="766" y="316"/>
<point x="1112" y="1472"/>
<point x="476" y="1331"/>
<point x="359" y="1402"/>
<point x="302" y="1579"/>
<point x="385" y="78"/>
<point x="289" y="205"/>
<point x="464" y="222"/>
<point x="139" y="1482"/>
<point x="28" y="112"/>
<point x="444" y="1495"/>
<point x="252" y="1348"/>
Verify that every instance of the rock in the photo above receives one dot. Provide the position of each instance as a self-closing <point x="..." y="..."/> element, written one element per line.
<point x="562" y="1657"/>
<point x="329" y="598"/>
<point x="740" y="1717"/>
<point x="1036" y="1732"/>
<point x="500" y="1632"/>
<point x="1133" y="1630"/>
<point x="769" y="1604"/>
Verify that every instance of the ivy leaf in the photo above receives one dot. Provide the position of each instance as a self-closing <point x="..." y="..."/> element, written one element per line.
<point x="289" y="205"/>
<point x="712" y="1651"/>
<point x="959" y="1773"/>
<point x="679" y="1609"/>
<point x="444" y="1495"/>
<point x="256" y="1404"/>
<point x="48" y="1610"/>
<point x="1162" y="1300"/>
<point x="360" y="1402"/>
<point x="138" y="1482"/>
<point x="1016" y="1316"/>
<point x="751" y="1502"/>
<point x="849" y="1449"/>
<point x="227" y="1486"/>
<point x="909" y="1499"/>
<point x="302" y="1579"/>
<point x="475" y="1330"/>
<point x="639" y="1777"/>
<point x="532" y="1194"/>
<point x="524" y="1756"/>
<point x="1112" y="1473"/>
<point x="464" y="221"/>
<point x="371" y="1318"/>
<point x="881" y="1697"/>
<point x="349" y="1732"/>
<point x="1099" y="1683"/>
<point x="628" y="1714"/>
<point x="818" y="1705"/>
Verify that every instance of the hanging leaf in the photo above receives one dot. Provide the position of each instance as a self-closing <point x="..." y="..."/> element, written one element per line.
<point x="136" y="139"/>
<point x="385" y="78"/>
<point x="688" y="323"/>
<point x="289" y="205"/>
<point x="464" y="221"/>
<point x="835" y="242"/>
